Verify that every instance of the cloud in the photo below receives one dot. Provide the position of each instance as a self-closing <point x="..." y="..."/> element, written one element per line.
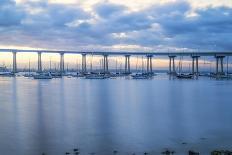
<point x="212" y="26"/>
<point x="10" y="15"/>
<point x="107" y="10"/>
<point x="160" y="25"/>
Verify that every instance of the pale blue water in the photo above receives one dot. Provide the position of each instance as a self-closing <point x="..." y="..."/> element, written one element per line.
<point x="55" y="116"/>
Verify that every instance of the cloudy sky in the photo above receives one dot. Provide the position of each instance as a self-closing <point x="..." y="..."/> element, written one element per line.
<point x="136" y="25"/>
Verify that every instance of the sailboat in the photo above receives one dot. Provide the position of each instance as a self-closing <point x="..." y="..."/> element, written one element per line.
<point x="54" y="72"/>
<point x="206" y="73"/>
<point x="140" y="75"/>
<point x="182" y="75"/>
<point x="29" y="74"/>
<point x="43" y="75"/>
<point x="91" y="66"/>
<point x="5" y="72"/>
<point x="100" y="75"/>
<point x="117" y="71"/>
<point x="96" y="76"/>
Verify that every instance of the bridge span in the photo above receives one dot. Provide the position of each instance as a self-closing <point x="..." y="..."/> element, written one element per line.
<point x="219" y="56"/>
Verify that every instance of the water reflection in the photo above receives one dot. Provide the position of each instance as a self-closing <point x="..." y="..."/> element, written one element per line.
<point x="115" y="114"/>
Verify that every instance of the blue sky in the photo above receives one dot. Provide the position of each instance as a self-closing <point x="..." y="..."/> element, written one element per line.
<point x="132" y="25"/>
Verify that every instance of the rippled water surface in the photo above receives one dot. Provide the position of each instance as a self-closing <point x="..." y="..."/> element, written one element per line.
<point x="55" y="116"/>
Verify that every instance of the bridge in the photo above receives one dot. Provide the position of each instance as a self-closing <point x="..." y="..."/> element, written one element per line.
<point x="219" y="56"/>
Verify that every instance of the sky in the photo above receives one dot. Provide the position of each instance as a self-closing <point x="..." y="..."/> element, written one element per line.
<point x="132" y="25"/>
<point x="113" y="25"/>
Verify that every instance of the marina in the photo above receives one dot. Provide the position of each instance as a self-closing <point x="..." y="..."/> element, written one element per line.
<point x="147" y="71"/>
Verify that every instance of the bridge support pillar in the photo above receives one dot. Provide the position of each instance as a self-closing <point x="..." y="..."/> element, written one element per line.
<point x="62" y="63"/>
<point x="197" y="66"/>
<point x="219" y="61"/>
<point x="105" y="64"/>
<point x="127" y="64"/>
<point x="14" y="62"/>
<point x="172" y="68"/>
<point x="195" y="71"/>
<point x="84" y="70"/>
<point x="39" y="62"/>
<point x="149" y="64"/>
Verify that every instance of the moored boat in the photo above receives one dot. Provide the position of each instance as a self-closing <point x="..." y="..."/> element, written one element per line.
<point x="56" y="75"/>
<point x="43" y="76"/>
<point x="28" y="75"/>
<point x="184" y="76"/>
<point x="4" y="72"/>
<point x="7" y="74"/>
<point x="141" y="76"/>
<point x="97" y="76"/>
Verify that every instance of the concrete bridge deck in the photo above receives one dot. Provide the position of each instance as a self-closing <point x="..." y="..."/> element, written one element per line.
<point x="122" y="53"/>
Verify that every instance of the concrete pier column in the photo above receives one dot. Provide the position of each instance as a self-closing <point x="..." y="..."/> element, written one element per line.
<point x="222" y="70"/>
<point x="128" y="59"/>
<point x="170" y="65"/>
<point x="219" y="61"/>
<point x="193" y="65"/>
<point x="84" y="63"/>
<point x="149" y="64"/>
<point x="172" y="68"/>
<point x="105" y="64"/>
<point x="14" y="62"/>
<point x="39" y="62"/>
<point x="173" y="65"/>
<point x="197" y="66"/>
<point x="61" y="63"/>
<point x="127" y="64"/>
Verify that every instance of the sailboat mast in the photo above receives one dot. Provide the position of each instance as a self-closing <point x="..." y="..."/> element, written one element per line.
<point x="116" y="65"/>
<point x="142" y="65"/>
<point x="227" y="65"/>
<point x="29" y="66"/>
<point x="120" y="70"/>
<point x="91" y="64"/>
<point x="77" y="66"/>
<point x="50" y="64"/>
<point x="67" y="67"/>
<point x="137" y="64"/>
<point x="100" y="67"/>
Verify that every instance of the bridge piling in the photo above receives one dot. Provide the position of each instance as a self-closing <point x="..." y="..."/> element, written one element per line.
<point x="149" y="64"/>
<point x="127" y="64"/>
<point x="105" y="64"/>
<point x="39" y="62"/>
<point x="219" y="61"/>
<point x="193" y="65"/>
<point x="84" y="64"/>
<point x="62" y="63"/>
<point x="222" y="70"/>
<point x="197" y="67"/>
<point x="195" y="71"/>
<point x="14" y="62"/>
<point x="172" y="69"/>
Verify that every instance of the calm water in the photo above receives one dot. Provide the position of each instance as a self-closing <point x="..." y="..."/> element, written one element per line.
<point x="100" y="116"/>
